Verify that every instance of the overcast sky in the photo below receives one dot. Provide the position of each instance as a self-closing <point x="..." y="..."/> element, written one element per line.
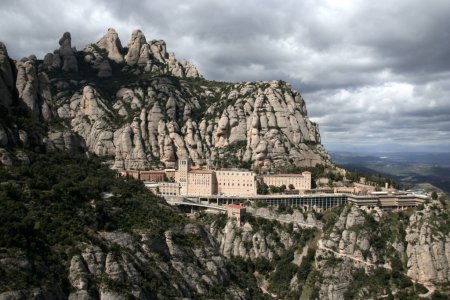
<point x="375" y="75"/>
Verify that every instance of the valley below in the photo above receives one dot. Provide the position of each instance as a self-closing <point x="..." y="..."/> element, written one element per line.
<point x="415" y="170"/>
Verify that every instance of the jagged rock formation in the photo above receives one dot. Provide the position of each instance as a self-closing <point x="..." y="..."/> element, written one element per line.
<point x="350" y="237"/>
<point x="6" y="78"/>
<point x="154" y="129"/>
<point x="363" y="239"/>
<point x="153" y="57"/>
<point x="67" y="53"/>
<point x="111" y="43"/>
<point x="136" y="261"/>
<point x="245" y="242"/>
<point x="348" y="242"/>
<point x="34" y="89"/>
<point x="297" y="217"/>
<point x="116" y="275"/>
<point x="158" y="109"/>
<point x="428" y="245"/>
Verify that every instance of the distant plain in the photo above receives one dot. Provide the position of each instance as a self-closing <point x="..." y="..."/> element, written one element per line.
<point x="409" y="169"/>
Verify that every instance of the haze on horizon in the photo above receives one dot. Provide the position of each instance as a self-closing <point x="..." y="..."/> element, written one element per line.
<point x="375" y="76"/>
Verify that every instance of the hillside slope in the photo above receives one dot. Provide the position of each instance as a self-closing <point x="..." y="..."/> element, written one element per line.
<point x="71" y="229"/>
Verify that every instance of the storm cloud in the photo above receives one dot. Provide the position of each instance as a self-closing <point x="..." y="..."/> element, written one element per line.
<point x="374" y="74"/>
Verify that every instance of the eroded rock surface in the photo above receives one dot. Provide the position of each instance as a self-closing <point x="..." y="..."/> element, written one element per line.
<point x="428" y="245"/>
<point x="127" y="107"/>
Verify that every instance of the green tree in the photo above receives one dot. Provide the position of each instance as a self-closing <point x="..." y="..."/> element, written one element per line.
<point x="262" y="188"/>
<point x="434" y="195"/>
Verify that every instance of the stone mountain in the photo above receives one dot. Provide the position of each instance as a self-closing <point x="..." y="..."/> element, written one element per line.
<point x="144" y="108"/>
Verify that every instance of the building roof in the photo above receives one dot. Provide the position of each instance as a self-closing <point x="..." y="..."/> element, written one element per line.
<point x="202" y="171"/>
<point x="236" y="206"/>
<point x="283" y="175"/>
<point x="234" y="170"/>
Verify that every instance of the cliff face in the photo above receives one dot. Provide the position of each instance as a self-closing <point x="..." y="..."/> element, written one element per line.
<point x="143" y="107"/>
<point x="197" y="267"/>
<point x="248" y="243"/>
<point x="364" y="246"/>
<point x="121" y="265"/>
<point x="428" y="245"/>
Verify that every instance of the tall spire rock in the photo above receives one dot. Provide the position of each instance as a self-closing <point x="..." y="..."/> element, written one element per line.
<point x="134" y="47"/>
<point x="33" y="88"/>
<point x="111" y="43"/>
<point x="6" y="77"/>
<point x="67" y="54"/>
<point x="159" y="50"/>
<point x="28" y="85"/>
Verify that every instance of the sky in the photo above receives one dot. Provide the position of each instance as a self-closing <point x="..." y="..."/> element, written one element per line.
<point x="375" y="75"/>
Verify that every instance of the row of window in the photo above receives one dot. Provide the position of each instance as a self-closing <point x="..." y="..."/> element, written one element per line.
<point x="238" y="184"/>
<point x="221" y="173"/>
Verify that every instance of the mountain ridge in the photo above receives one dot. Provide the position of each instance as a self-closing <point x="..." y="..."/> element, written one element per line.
<point x="141" y="106"/>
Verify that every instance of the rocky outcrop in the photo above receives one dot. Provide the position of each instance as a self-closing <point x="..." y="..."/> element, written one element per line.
<point x="148" y="121"/>
<point x="349" y="235"/>
<point x="346" y="248"/>
<point x="69" y="61"/>
<point x="98" y="60"/>
<point x="197" y="268"/>
<point x="27" y="85"/>
<point x="111" y="43"/>
<point x="64" y="141"/>
<point x="6" y="77"/>
<point x="89" y="116"/>
<point x="33" y="89"/>
<point x="153" y="57"/>
<point x="245" y="242"/>
<point x="180" y="69"/>
<point x="166" y="123"/>
<point x="134" y="47"/>
<point x="365" y="239"/>
<point x="306" y="219"/>
<point x="428" y="245"/>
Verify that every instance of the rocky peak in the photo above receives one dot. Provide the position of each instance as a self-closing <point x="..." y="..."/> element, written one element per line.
<point x="134" y="47"/>
<point x="144" y="121"/>
<point x="158" y="48"/>
<point x="6" y="77"/>
<point x="27" y="85"/>
<point x="33" y="88"/>
<point x="67" y="53"/>
<point x="428" y="244"/>
<point x="111" y="43"/>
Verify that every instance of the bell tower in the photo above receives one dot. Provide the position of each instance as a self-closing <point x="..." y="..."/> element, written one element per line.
<point x="183" y="169"/>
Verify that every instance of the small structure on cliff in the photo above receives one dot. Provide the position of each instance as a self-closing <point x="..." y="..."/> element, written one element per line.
<point x="236" y="211"/>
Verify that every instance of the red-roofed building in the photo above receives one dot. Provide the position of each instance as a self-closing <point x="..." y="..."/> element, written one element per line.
<point x="236" y="211"/>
